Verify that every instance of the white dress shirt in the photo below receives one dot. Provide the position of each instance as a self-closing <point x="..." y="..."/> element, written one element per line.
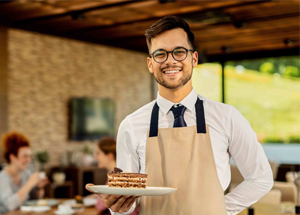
<point x="231" y="136"/>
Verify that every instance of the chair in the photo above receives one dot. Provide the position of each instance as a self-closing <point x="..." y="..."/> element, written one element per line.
<point x="288" y="191"/>
<point x="272" y="197"/>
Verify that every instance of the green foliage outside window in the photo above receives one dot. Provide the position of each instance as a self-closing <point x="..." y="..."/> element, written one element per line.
<point x="265" y="91"/>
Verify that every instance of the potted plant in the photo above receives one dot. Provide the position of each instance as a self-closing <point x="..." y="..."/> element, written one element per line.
<point x="43" y="158"/>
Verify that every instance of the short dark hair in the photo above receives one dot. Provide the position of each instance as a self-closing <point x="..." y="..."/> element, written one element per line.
<point x="108" y="145"/>
<point x="12" y="142"/>
<point x="165" y="24"/>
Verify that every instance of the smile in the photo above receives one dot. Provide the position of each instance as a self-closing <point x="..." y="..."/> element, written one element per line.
<point x="171" y="71"/>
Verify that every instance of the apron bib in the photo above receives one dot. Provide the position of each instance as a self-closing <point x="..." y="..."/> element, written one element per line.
<point x="183" y="158"/>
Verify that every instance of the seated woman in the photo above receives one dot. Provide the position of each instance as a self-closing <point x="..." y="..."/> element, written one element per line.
<point x="106" y="157"/>
<point x="17" y="184"/>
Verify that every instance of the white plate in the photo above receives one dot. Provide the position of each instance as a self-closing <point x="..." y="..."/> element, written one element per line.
<point x="35" y="208"/>
<point x="64" y="212"/>
<point x="41" y="208"/>
<point x="149" y="191"/>
<point x="87" y="202"/>
<point x="50" y="202"/>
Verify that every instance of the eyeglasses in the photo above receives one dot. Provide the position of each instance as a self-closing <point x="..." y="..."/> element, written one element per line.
<point x="178" y="54"/>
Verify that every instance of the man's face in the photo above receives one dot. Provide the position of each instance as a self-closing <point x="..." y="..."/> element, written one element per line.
<point x="168" y="41"/>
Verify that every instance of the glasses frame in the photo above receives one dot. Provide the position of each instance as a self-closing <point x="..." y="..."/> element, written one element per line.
<point x="172" y="52"/>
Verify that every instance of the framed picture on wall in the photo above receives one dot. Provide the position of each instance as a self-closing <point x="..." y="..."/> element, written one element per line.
<point x="91" y="118"/>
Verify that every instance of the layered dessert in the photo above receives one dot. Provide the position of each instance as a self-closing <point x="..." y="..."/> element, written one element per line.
<point x="118" y="178"/>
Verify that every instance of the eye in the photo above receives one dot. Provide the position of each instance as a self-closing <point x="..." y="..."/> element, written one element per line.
<point x="179" y="51"/>
<point x="159" y="54"/>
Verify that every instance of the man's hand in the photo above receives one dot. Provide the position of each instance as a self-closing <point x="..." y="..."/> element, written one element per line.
<point x="116" y="203"/>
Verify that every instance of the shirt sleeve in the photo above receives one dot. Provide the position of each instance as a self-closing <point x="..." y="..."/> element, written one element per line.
<point x="127" y="157"/>
<point x="8" y="198"/>
<point x="251" y="161"/>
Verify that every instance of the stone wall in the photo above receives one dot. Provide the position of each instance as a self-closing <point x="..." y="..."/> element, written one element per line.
<point x="46" y="71"/>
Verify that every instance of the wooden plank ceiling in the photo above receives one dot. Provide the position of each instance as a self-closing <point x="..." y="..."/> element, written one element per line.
<point x="220" y="27"/>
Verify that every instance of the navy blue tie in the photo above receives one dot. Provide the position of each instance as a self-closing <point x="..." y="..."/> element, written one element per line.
<point x="178" y="116"/>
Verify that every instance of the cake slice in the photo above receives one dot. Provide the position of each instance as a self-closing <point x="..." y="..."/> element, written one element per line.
<point x="118" y="178"/>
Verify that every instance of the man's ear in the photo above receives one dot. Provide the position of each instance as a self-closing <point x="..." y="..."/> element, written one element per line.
<point x="195" y="59"/>
<point x="149" y="63"/>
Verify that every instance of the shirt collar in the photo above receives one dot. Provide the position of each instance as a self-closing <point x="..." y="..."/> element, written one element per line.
<point x="189" y="102"/>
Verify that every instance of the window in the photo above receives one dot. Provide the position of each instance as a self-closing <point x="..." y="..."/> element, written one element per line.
<point x="266" y="92"/>
<point x="206" y="81"/>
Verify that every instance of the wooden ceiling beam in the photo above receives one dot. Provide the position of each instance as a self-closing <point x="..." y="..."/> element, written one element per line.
<point x="250" y="55"/>
<point x="45" y="12"/>
<point x="213" y="32"/>
<point x="182" y="10"/>
<point x="250" y="47"/>
<point x="253" y="26"/>
<point x="265" y="9"/>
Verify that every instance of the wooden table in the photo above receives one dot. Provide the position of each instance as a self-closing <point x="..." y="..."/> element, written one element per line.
<point x="87" y="211"/>
<point x="259" y="209"/>
<point x="269" y="209"/>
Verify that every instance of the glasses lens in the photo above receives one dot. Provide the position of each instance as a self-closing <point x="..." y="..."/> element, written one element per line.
<point x="179" y="54"/>
<point x="160" y="55"/>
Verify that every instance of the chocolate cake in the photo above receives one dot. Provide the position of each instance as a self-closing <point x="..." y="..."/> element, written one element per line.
<point x="118" y="178"/>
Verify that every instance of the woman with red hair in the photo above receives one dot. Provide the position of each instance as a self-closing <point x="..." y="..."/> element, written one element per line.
<point x="17" y="184"/>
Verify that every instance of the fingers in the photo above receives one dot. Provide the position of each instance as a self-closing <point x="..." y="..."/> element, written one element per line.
<point x="87" y="187"/>
<point x="129" y="202"/>
<point x="123" y="204"/>
<point x="110" y="200"/>
<point x="104" y="197"/>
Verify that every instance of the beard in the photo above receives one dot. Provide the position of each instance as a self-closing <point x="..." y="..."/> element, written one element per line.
<point x="173" y="86"/>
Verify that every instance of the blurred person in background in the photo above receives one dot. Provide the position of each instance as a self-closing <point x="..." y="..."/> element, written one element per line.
<point x="17" y="182"/>
<point x="106" y="156"/>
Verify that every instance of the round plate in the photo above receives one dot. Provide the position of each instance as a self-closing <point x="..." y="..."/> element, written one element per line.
<point x="50" y="202"/>
<point x="149" y="191"/>
<point x="64" y="212"/>
<point x="87" y="202"/>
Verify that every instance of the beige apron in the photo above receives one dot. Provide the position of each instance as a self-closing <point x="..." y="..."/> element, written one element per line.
<point x="183" y="158"/>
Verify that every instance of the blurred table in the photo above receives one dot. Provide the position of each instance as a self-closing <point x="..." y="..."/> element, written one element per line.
<point x="87" y="211"/>
<point x="81" y="176"/>
<point x="53" y="187"/>
<point x="269" y="209"/>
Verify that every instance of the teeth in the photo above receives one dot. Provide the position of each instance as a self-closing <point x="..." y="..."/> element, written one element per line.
<point x="173" y="71"/>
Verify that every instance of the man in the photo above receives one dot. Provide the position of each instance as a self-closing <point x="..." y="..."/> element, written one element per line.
<point x="185" y="140"/>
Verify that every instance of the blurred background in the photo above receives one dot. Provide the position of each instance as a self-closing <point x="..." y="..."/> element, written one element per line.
<point x="71" y="71"/>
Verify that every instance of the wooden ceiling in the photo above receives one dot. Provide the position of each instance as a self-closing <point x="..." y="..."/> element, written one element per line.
<point x="221" y="28"/>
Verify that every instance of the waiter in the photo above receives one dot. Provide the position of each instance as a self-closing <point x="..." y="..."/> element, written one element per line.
<point x="185" y="140"/>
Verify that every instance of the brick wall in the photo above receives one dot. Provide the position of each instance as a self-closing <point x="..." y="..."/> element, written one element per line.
<point x="46" y="71"/>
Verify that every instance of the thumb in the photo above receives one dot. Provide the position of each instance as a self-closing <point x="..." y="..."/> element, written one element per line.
<point x="87" y="187"/>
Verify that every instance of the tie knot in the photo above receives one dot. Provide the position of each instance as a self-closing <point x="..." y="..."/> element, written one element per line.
<point x="178" y="111"/>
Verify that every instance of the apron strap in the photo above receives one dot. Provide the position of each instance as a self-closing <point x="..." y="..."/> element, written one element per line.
<point x="200" y="119"/>
<point x="154" y="121"/>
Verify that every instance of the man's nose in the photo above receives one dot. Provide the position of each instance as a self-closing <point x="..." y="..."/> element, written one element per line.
<point x="170" y="59"/>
